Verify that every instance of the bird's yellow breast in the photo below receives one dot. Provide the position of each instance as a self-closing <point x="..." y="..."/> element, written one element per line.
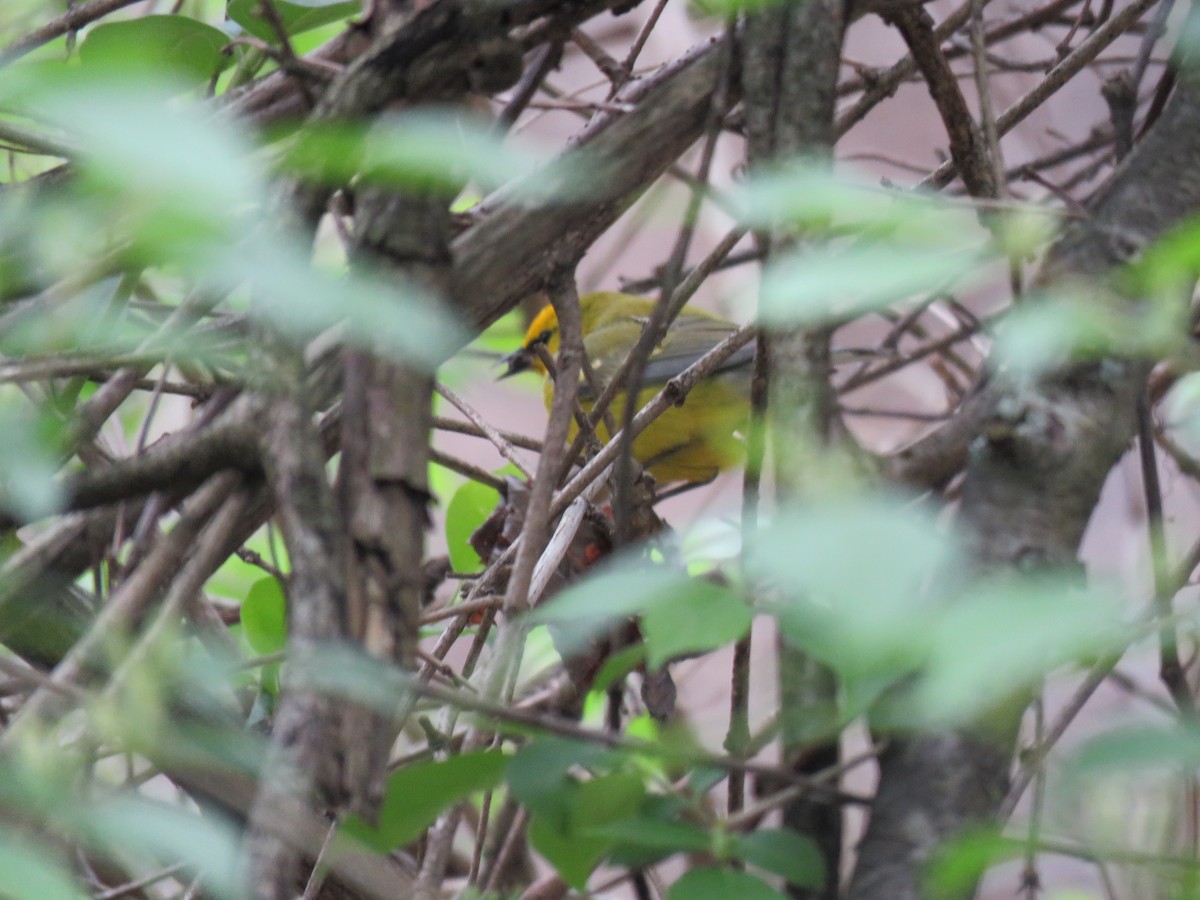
<point x="691" y="442"/>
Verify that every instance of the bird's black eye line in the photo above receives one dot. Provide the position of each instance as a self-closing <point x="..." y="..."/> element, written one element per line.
<point x="543" y="338"/>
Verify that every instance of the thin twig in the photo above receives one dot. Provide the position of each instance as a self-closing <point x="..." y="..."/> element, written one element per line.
<point x="498" y="440"/>
<point x="72" y="20"/>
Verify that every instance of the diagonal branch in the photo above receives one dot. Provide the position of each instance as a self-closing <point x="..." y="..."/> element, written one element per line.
<point x="967" y="146"/>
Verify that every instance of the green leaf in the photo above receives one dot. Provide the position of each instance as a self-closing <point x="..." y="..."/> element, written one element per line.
<point x="783" y="852"/>
<point x="568" y="815"/>
<point x="626" y="587"/>
<point x="29" y="461"/>
<point x="264" y="617"/>
<point x="721" y="884"/>
<point x="1138" y="749"/>
<point x="471" y="504"/>
<point x="642" y="841"/>
<point x="184" y="46"/>
<point x="697" y="620"/>
<point x="865" y="621"/>
<point x="298" y="15"/>
<point x="397" y="318"/>
<point x="808" y="195"/>
<point x="429" y="149"/>
<point x="1169" y="265"/>
<point x="704" y="779"/>
<point x="1001" y="638"/>
<point x="617" y="666"/>
<point x="537" y="775"/>
<point x="900" y="243"/>
<point x="572" y="857"/>
<point x="957" y="866"/>
<point x="727" y="8"/>
<point x="156" y="170"/>
<point x="606" y="799"/>
<point x="418" y="794"/>
<point x="828" y="284"/>
<point x="153" y="831"/>
<point x="577" y="845"/>
<point x="1048" y="330"/>
<point x="615" y="591"/>
<point x="32" y="873"/>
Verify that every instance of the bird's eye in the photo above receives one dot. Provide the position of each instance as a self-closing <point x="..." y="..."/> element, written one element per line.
<point x="543" y="338"/>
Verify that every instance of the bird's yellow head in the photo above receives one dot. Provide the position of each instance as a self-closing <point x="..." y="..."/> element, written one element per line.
<point x="595" y="310"/>
<point x="543" y="331"/>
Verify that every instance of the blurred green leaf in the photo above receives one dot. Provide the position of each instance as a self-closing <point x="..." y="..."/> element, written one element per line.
<point x="721" y="884"/>
<point x="1023" y="232"/>
<point x="901" y="243"/>
<point x="264" y="617"/>
<point x="83" y="322"/>
<point x="606" y="799"/>
<point x="342" y="669"/>
<point x="642" y="841"/>
<point x="298" y="15"/>
<point x="867" y="621"/>
<point x="182" y="189"/>
<point x="537" y="775"/>
<point x="503" y="335"/>
<point x="709" y="542"/>
<point x="1138" y="748"/>
<point x="167" y="180"/>
<point x="575" y="843"/>
<point x="702" y="618"/>
<point x="425" y="149"/>
<point x="612" y="592"/>
<point x="727" y="8"/>
<point x="1169" y="266"/>
<point x="471" y="504"/>
<point x="829" y="284"/>
<point x="418" y="794"/>
<point x="808" y="195"/>
<point x="616" y="666"/>
<point x="399" y="319"/>
<point x="1049" y="330"/>
<point x="29" y="461"/>
<point x="32" y="872"/>
<point x="783" y="852"/>
<point x="573" y="858"/>
<point x="1003" y="637"/>
<point x="957" y="867"/>
<point x="148" y="44"/>
<point x="626" y="587"/>
<point x="208" y="844"/>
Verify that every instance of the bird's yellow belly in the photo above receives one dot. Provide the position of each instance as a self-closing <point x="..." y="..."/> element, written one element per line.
<point x="692" y="442"/>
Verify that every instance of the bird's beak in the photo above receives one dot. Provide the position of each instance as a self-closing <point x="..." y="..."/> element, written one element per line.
<point x="518" y="361"/>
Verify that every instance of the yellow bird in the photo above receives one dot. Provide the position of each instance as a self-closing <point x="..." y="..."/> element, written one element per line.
<point x="689" y="443"/>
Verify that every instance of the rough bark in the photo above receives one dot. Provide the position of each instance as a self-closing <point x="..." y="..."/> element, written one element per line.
<point x="386" y="428"/>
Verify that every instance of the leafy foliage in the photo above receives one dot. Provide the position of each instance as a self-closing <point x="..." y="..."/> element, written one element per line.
<point x="166" y="234"/>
